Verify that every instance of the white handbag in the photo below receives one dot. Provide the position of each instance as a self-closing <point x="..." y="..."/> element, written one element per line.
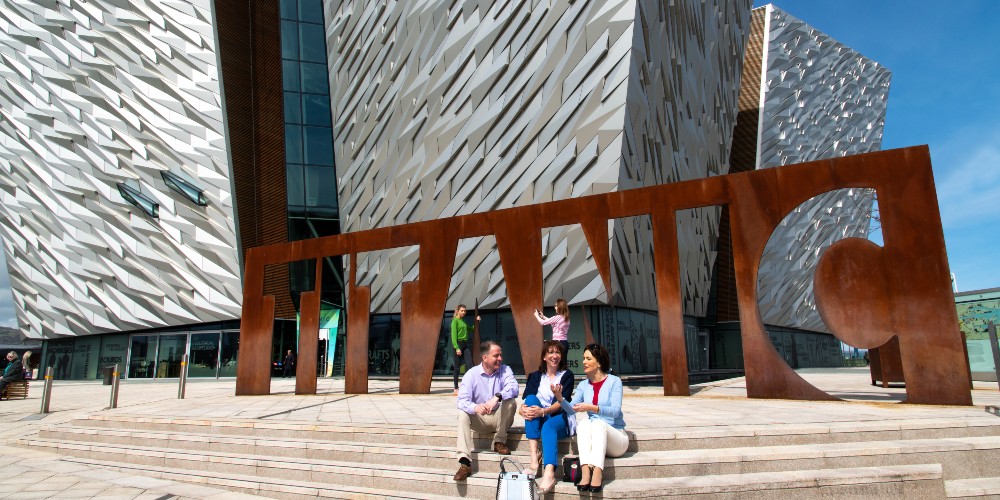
<point x="515" y="485"/>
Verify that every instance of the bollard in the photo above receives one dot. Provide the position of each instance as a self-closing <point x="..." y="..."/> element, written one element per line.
<point x="47" y="390"/>
<point x="114" y="388"/>
<point x="183" y="381"/>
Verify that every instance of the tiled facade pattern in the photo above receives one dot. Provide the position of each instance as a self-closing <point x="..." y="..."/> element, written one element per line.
<point x="820" y="99"/>
<point x="448" y="108"/>
<point x="94" y="94"/>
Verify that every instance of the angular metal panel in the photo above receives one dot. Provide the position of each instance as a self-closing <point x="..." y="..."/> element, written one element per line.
<point x="448" y="108"/>
<point x="820" y="99"/>
<point x="96" y="93"/>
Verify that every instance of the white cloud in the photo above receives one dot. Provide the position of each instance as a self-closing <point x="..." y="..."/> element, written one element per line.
<point x="968" y="179"/>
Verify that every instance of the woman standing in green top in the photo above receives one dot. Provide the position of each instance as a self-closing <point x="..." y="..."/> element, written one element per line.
<point x="460" y="341"/>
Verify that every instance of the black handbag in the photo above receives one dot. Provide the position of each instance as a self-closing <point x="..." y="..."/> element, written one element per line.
<point x="571" y="469"/>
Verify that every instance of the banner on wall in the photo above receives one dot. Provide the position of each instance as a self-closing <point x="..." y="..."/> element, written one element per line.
<point x="329" y="318"/>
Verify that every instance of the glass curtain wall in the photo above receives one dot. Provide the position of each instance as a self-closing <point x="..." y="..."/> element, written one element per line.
<point x="142" y="363"/>
<point x="168" y="359"/>
<point x="204" y="355"/>
<point x="313" y="210"/>
<point x="212" y="351"/>
<point x="229" y="352"/>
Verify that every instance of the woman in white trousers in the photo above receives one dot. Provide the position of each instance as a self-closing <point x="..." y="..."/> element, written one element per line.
<point x="602" y="433"/>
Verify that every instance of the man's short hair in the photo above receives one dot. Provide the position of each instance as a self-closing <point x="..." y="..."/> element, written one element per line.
<point x="485" y="347"/>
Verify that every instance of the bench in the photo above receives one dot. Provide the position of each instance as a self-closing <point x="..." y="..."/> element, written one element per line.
<point x="17" y="389"/>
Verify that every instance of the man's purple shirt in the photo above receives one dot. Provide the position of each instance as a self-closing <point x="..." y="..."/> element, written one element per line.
<point x="478" y="387"/>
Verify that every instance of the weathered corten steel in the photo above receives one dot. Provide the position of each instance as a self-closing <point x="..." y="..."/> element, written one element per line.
<point x="866" y="294"/>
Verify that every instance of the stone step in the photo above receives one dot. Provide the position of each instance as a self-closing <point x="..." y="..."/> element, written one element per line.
<point x="909" y="481"/>
<point x="901" y="481"/>
<point x="728" y="436"/>
<point x="412" y="478"/>
<point x="961" y="457"/>
<point x="439" y="457"/>
<point x="954" y="453"/>
<point x="980" y="487"/>
<point x="289" y="488"/>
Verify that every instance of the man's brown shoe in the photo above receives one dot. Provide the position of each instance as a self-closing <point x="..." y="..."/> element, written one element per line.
<point x="501" y="448"/>
<point x="463" y="472"/>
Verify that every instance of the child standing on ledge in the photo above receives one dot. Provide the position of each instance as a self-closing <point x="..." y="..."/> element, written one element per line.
<point x="559" y="323"/>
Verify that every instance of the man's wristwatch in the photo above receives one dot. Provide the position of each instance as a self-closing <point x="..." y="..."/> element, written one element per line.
<point x="499" y="397"/>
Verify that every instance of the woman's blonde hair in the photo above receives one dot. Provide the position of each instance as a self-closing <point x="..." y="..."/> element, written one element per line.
<point x="562" y="308"/>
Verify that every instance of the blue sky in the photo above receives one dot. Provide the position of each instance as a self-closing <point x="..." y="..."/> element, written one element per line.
<point x="945" y="92"/>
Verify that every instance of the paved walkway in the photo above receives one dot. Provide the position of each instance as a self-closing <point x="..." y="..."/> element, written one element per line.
<point x="27" y="474"/>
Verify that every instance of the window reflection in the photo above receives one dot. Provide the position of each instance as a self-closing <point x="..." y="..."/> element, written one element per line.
<point x="229" y="352"/>
<point x="293" y="110"/>
<point x="143" y="360"/>
<point x="311" y="11"/>
<point x="321" y="186"/>
<point x="319" y="145"/>
<point x="314" y="78"/>
<point x="290" y="75"/>
<point x="296" y="184"/>
<point x="289" y="40"/>
<point x="204" y="355"/>
<point x="312" y="46"/>
<point x="316" y="109"/>
<point x="169" y="356"/>
<point x="289" y="9"/>
<point x="293" y="144"/>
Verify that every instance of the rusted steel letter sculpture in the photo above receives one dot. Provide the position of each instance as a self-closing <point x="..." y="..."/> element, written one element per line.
<point x="866" y="294"/>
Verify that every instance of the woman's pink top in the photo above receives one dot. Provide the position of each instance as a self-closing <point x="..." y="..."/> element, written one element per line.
<point x="560" y="327"/>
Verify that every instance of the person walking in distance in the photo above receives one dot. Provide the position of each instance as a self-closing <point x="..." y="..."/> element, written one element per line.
<point x="460" y="342"/>
<point x="289" y="365"/>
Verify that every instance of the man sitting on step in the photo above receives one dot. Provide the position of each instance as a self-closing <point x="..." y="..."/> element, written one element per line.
<point x="486" y="403"/>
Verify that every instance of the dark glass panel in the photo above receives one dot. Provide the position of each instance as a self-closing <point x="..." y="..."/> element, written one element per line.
<point x="312" y="45"/>
<point x="230" y="351"/>
<point x="319" y="148"/>
<point x="296" y="184"/>
<point x="315" y="79"/>
<point x="321" y="186"/>
<point x="204" y="355"/>
<point x="303" y="276"/>
<point x="142" y="364"/>
<point x="293" y="144"/>
<point x="293" y="107"/>
<point x="289" y="40"/>
<point x="114" y="349"/>
<point x="290" y="75"/>
<point x="298" y="229"/>
<point x="289" y="9"/>
<point x="316" y="109"/>
<point x="168" y="362"/>
<point x="311" y="11"/>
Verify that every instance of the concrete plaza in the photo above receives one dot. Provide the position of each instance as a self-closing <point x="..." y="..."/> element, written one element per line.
<point x="28" y="472"/>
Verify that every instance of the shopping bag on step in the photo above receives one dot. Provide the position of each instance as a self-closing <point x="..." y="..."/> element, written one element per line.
<point x="513" y="485"/>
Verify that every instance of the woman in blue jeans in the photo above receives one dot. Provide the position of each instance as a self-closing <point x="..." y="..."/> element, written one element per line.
<point x="544" y="419"/>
